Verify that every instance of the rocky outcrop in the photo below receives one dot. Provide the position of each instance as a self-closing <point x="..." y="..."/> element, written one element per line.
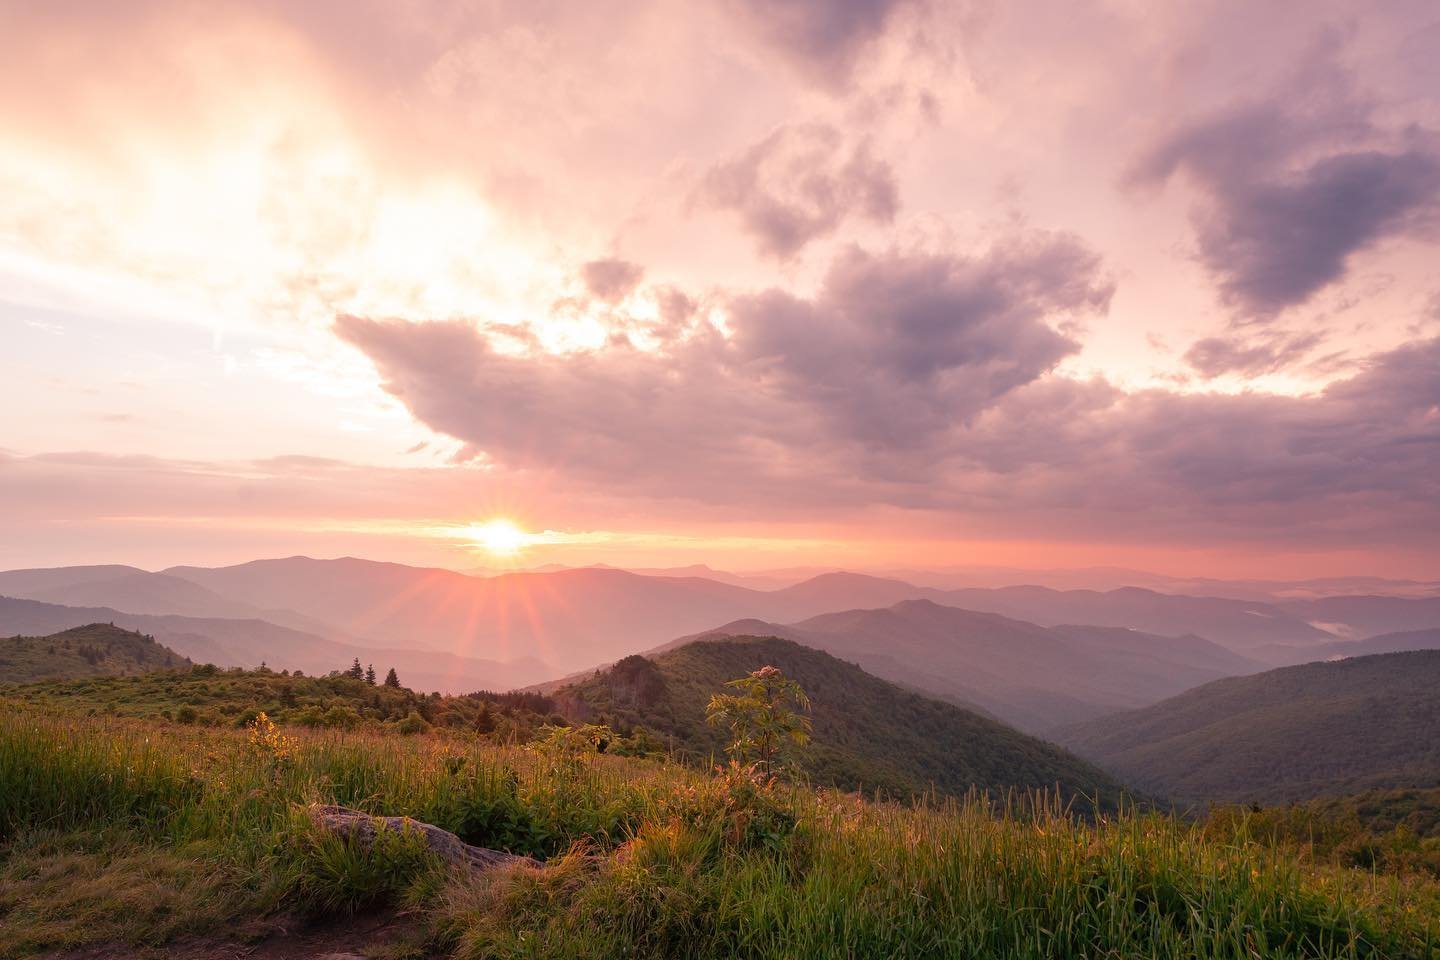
<point x="362" y="828"/>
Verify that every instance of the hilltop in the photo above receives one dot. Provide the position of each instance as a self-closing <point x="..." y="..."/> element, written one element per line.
<point x="1319" y="729"/>
<point x="93" y="650"/>
<point x="868" y="732"/>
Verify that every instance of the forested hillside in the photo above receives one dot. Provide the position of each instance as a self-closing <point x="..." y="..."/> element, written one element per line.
<point x="868" y="732"/>
<point x="98" y="649"/>
<point x="1289" y="734"/>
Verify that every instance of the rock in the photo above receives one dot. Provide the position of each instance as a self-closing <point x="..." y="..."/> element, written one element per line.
<point x="362" y="827"/>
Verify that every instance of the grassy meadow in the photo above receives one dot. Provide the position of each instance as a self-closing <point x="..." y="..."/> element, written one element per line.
<point x="139" y="831"/>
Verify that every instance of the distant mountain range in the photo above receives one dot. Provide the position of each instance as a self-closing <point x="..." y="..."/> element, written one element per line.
<point x="522" y="627"/>
<point x="1031" y="676"/>
<point x="1284" y="735"/>
<point x="868" y="733"/>
<point x="574" y="618"/>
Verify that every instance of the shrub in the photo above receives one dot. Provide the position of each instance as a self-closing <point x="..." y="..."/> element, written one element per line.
<point x="328" y="873"/>
<point x="412" y="723"/>
<point x="762" y="718"/>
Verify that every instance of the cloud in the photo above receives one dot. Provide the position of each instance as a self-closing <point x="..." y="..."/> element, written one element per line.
<point x="611" y="279"/>
<point x="800" y="183"/>
<point x="895" y="353"/>
<point x="925" y="382"/>
<point x="821" y="38"/>
<point x="1216" y="356"/>
<point x="1292" y="186"/>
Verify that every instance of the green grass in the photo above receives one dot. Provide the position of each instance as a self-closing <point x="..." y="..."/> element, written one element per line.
<point x="210" y="696"/>
<point x="137" y="831"/>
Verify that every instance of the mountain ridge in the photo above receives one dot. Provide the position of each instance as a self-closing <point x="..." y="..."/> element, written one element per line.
<point x="1292" y="733"/>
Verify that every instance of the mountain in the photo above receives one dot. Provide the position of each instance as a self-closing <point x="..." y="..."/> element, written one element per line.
<point x="568" y="618"/>
<point x="1366" y="616"/>
<point x="845" y="591"/>
<point x="1289" y="734"/>
<point x="92" y="650"/>
<point x="754" y="581"/>
<point x="123" y="588"/>
<point x="868" y="733"/>
<point x="1241" y="625"/>
<point x="1338" y="649"/>
<point x="1031" y="676"/>
<point x="573" y="619"/>
<point x="247" y="643"/>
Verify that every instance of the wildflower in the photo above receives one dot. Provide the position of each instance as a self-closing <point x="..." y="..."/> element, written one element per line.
<point x="267" y="741"/>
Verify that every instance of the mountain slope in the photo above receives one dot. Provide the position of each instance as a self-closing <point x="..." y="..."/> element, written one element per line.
<point x="247" y="643"/>
<point x="123" y="588"/>
<point x="1240" y="625"/>
<point x="867" y="733"/>
<point x="1287" y="734"/>
<point x="92" y="650"/>
<point x="1031" y="676"/>
<point x="1366" y="616"/>
<point x="1336" y="649"/>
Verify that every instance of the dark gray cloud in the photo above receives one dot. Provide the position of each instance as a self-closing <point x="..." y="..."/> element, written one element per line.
<point x="1250" y="356"/>
<point x="1356" y="465"/>
<point x="801" y="182"/>
<point x="611" y="279"/>
<point x="895" y="351"/>
<point x="822" y="38"/>
<point x="924" y="383"/>
<point x="1294" y="185"/>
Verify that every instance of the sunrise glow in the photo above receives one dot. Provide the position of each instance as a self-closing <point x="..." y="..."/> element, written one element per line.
<point x="499" y="537"/>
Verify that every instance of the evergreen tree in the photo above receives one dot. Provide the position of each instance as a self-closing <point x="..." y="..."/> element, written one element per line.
<point x="370" y="674"/>
<point x="484" y="720"/>
<point x="356" y="671"/>
<point x="391" y="680"/>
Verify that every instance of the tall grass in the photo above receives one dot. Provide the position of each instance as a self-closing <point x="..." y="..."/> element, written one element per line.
<point x="656" y="860"/>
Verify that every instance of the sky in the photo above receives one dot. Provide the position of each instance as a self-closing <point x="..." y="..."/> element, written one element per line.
<point x="758" y="283"/>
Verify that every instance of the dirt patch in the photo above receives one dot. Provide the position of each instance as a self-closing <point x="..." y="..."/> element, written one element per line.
<point x="382" y="934"/>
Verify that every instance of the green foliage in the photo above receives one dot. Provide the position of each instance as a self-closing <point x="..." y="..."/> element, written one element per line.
<point x="868" y="734"/>
<point x="100" y="649"/>
<point x="646" y="859"/>
<point x="1293" y="734"/>
<point x="324" y="873"/>
<point x="1393" y="831"/>
<point x="763" y="718"/>
<point x="412" y="723"/>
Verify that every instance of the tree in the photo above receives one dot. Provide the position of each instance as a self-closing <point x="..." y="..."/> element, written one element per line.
<point x="484" y="720"/>
<point x="356" y="671"/>
<point x="370" y="674"/>
<point x="391" y="680"/>
<point x="763" y="717"/>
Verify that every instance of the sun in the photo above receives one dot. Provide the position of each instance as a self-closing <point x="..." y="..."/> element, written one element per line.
<point x="500" y="537"/>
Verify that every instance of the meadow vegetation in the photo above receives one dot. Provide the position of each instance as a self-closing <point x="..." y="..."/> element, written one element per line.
<point x="139" y="829"/>
<point x="207" y="696"/>
<point x="98" y="649"/>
